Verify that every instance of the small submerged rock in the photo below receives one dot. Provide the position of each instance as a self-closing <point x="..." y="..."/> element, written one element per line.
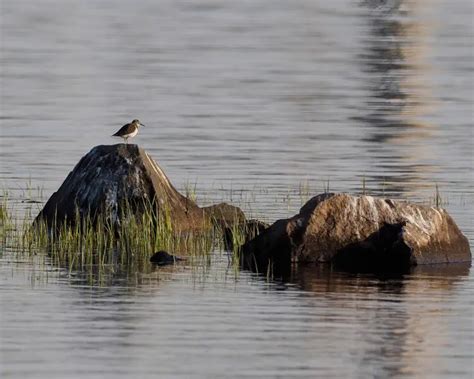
<point x="162" y="258"/>
<point x="359" y="233"/>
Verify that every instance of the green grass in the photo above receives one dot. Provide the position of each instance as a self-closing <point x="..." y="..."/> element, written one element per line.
<point x="88" y="241"/>
<point x="99" y="248"/>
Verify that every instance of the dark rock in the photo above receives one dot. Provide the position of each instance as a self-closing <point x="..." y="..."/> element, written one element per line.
<point x="359" y="233"/>
<point x="162" y="258"/>
<point x="110" y="179"/>
<point x="247" y="230"/>
<point x="273" y="247"/>
<point x="224" y="215"/>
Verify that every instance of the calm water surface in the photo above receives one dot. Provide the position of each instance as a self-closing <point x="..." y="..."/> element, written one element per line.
<point x="261" y="103"/>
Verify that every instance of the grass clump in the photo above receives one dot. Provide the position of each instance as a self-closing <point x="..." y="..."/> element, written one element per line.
<point x="128" y="237"/>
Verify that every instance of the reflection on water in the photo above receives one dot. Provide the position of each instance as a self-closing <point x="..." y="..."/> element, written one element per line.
<point x="400" y="328"/>
<point x="264" y="103"/>
<point x="399" y="93"/>
<point x="319" y="279"/>
<point x="318" y="322"/>
<point x="393" y="58"/>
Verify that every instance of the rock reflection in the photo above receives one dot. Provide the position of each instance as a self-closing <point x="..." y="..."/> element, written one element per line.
<point x="317" y="279"/>
<point x="395" y="324"/>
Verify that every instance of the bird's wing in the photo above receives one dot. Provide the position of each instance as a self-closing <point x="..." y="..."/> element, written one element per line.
<point x="126" y="129"/>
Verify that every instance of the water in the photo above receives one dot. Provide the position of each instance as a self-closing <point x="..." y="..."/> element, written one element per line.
<point x="250" y="101"/>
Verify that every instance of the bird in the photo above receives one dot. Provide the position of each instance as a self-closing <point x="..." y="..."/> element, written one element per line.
<point x="128" y="130"/>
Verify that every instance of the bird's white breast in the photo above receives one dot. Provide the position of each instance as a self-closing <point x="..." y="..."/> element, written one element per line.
<point x="133" y="134"/>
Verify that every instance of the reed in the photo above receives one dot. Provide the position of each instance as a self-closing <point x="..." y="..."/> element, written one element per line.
<point x="190" y="191"/>
<point x="437" y="199"/>
<point x="90" y="240"/>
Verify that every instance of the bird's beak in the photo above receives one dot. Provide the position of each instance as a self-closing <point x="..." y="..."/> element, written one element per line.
<point x="142" y="124"/>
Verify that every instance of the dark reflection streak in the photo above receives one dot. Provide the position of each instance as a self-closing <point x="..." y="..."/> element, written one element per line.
<point x="390" y="64"/>
<point x="387" y="64"/>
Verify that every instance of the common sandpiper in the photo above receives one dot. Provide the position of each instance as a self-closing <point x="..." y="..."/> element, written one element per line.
<point x="129" y="130"/>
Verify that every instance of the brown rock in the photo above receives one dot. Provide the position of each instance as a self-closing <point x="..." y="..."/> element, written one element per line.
<point x="224" y="214"/>
<point x="110" y="178"/>
<point x="363" y="233"/>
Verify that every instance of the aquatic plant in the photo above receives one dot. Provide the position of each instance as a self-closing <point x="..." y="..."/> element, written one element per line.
<point x="98" y="239"/>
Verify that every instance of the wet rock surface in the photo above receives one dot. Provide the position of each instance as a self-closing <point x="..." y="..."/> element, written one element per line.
<point x="359" y="233"/>
<point x="111" y="178"/>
